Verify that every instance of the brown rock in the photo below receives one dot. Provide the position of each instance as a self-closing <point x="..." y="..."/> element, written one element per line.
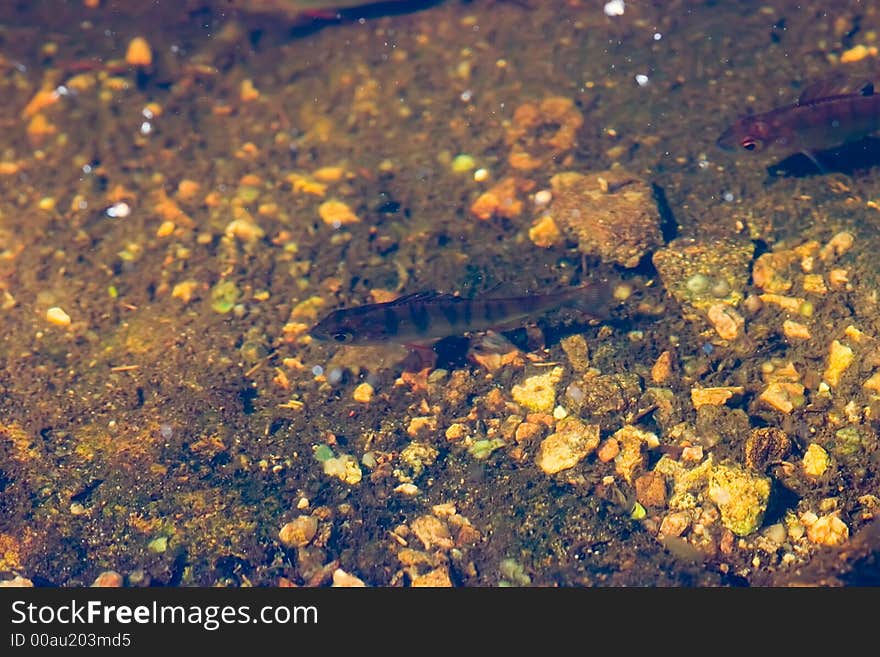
<point x="611" y="214"/>
<point x="651" y="489"/>
<point x="766" y="446"/>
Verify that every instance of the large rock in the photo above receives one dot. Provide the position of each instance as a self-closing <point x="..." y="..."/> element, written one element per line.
<point x="611" y="214"/>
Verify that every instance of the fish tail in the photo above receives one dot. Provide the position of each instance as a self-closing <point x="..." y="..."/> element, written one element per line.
<point x="592" y="299"/>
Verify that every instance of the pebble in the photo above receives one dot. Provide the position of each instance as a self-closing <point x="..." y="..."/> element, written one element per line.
<point x="608" y="450"/>
<point x="538" y="392"/>
<point x="651" y="489"/>
<point x="408" y="489"/>
<point x="345" y="580"/>
<point x="741" y="496"/>
<point x="299" y="532"/>
<point x="795" y="330"/>
<point x="108" y="579"/>
<point x="16" y="582"/>
<point x="139" y="52"/>
<point x="840" y="357"/>
<point x="828" y="530"/>
<point x="344" y="467"/>
<point x="567" y="446"/>
<point x="631" y="438"/>
<point x="432" y="532"/>
<point x="726" y="320"/>
<point x="57" y="316"/>
<point x="717" y="396"/>
<point x="816" y="461"/>
<point x="545" y="233"/>
<point x="783" y="395"/>
<point x="439" y="577"/>
<point x="363" y="393"/>
<point x="336" y="213"/>
<point x="158" y="545"/>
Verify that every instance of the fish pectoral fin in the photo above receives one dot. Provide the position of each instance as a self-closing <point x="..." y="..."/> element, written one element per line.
<point x="815" y="161"/>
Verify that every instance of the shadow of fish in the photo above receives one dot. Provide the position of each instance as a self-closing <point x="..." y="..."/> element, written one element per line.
<point x="827" y="114"/>
<point x="426" y="316"/>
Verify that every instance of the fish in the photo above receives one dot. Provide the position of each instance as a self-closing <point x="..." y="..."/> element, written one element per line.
<point x="828" y="114"/>
<point x="423" y="317"/>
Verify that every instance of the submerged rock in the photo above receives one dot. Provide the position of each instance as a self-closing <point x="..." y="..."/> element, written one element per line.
<point x="538" y="392"/>
<point x="564" y="449"/>
<point x="611" y="214"/>
<point x="741" y="496"/>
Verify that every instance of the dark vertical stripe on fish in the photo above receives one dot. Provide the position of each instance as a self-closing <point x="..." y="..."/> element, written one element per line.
<point x="391" y="321"/>
<point x="418" y="312"/>
<point x="450" y="312"/>
<point x="468" y="312"/>
<point x="488" y="312"/>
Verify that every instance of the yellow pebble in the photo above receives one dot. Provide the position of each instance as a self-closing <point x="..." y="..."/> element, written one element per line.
<point x="337" y="213"/>
<point x="165" y="229"/>
<point x="816" y="461"/>
<point x="857" y="53"/>
<point x="139" y="52"/>
<point x="187" y="190"/>
<point x="248" y="91"/>
<point x="545" y="233"/>
<point x="185" y="290"/>
<point x="363" y="393"/>
<point x="840" y="357"/>
<point x="57" y="316"/>
<point x="329" y="174"/>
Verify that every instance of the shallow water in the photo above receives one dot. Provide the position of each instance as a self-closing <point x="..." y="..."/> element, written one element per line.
<point x="193" y="215"/>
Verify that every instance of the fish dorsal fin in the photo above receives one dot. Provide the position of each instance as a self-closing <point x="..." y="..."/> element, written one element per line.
<point x="835" y="86"/>
<point x="424" y="295"/>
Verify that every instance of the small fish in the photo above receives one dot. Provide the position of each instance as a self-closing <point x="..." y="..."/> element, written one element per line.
<point x="426" y="316"/>
<point x="827" y="114"/>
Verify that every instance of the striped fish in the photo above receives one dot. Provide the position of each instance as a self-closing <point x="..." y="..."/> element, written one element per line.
<point x="426" y="316"/>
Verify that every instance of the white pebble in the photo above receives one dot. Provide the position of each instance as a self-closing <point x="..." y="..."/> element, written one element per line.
<point x="614" y="8"/>
<point x="118" y="210"/>
<point x="543" y="198"/>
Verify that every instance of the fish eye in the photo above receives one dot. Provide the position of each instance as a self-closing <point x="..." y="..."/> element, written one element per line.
<point x="342" y="336"/>
<point x="750" y="144"/>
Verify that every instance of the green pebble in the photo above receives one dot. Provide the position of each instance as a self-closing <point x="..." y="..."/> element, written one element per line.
<point x="248" y="194"/>
<point x="158" y="545"/>
<point x="697" y="284"/>
<point x="224" y="296"/>
<point x="638" y="512"/>
<point x="482" y="448"/>
<point x="323" y="453"/>
<point x="848" y="441"/>
<point x="514" y="573"/>
<point x="112" y="291"/>
<point x="463" y="163"/>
